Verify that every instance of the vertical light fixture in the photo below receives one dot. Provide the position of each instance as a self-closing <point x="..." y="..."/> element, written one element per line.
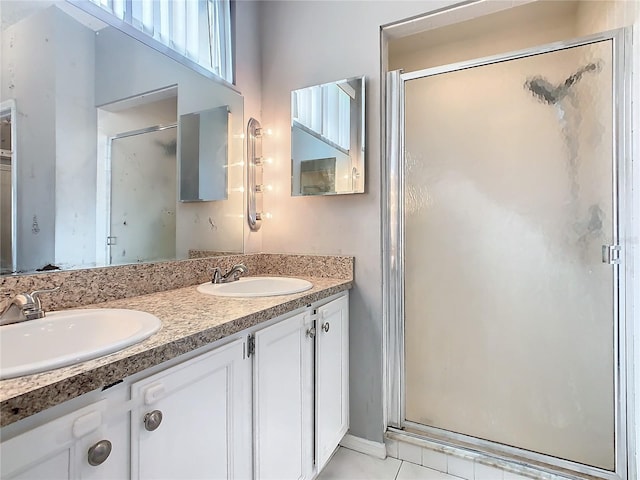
<point x="254" y="160"/>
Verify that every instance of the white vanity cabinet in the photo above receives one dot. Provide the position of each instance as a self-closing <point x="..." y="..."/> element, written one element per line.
<point x="332" y="377"/>
<point x="89" y="443"/>
<point x="272" y="404"/>
<point x="283" y="399"/>
<point x="194" y="420"/>
<point x="301" y="374"/>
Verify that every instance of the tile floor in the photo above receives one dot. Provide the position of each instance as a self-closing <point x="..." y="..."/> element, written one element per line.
<point x="351" y="465"/>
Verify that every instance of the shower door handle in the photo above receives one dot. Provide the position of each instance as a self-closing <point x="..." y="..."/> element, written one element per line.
<point x="611" y="254"/>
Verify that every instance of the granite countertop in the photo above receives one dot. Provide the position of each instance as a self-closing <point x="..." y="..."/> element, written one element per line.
<point x="189" y="320"/>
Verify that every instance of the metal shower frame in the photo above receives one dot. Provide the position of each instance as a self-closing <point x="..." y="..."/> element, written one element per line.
<point x="393" y="264"/>
<point x="108" y="177"/>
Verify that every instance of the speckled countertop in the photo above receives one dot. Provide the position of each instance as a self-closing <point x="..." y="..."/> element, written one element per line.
<point x="189" y="320"/>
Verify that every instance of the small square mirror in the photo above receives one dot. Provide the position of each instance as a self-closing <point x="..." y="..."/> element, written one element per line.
<point x="328" y="138"/>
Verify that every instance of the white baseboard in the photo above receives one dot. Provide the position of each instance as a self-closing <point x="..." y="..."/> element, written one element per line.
<point x="362" y="445"/>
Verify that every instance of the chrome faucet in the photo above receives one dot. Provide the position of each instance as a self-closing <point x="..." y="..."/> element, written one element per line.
<point x="25" y="306"/>
<point x="231" y="276"/>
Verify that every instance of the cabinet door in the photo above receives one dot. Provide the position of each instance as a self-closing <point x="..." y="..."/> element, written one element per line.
<point x="332" y="377"/>
<point x="38" y="454"/>
<point x="205" y="428"/>
<point x="283" y="400"/>
<point x="114" y="430"/>
<point x="59" y="449"/>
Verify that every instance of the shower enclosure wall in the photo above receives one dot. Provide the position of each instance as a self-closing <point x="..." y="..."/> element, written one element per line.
<point x="504" y="255"/>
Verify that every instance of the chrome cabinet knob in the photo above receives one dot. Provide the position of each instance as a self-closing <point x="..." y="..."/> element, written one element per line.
<point x="152" y="420"/>
<point x="325" y="326"/>
<point x="311" y="332"/>
<point x="99" y="452"/>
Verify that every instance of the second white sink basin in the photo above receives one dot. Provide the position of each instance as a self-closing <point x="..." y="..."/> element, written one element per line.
<point x="70" y="336"/>
<point x="256" y="287"/>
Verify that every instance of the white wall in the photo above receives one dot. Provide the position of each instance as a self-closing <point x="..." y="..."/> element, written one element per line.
<point x="309" y="43"/>
<point x="28" y="71"/>
<point x="249" y="82"/>
<point x="47" y="67"/>
<point x="75" y="128"/>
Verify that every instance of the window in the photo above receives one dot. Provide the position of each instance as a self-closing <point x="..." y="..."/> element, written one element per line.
<point x="325" y="109"/>
<point x="200" y="30"/>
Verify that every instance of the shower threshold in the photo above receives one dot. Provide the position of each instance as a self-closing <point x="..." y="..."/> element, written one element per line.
<point x="483" y="452"/>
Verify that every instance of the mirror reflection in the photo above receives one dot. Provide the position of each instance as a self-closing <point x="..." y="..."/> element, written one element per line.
<point x="143" y="173"/>
<point x="203" y="155"/>
<point x="328" y="138"/>
<point x="91" y="144"/>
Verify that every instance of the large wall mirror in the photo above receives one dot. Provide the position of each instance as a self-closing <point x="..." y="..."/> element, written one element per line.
<point x="91" y="143"/>
<point x="328" y="138"/>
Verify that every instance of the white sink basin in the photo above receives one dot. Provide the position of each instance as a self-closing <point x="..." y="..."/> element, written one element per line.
<point x="256" y="287"/>
<point x="72" y="336"/>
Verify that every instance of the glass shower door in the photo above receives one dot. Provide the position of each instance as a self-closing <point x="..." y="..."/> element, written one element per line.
<point x="510" y="332"/>
<point x="143" y="196"/>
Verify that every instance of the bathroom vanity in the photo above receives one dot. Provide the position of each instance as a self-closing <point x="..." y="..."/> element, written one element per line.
<point x="228" y="388"/>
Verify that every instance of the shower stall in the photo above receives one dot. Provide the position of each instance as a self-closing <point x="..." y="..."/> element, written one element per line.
<point x="142" y="193"/>
<point x="503" y="255"/>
